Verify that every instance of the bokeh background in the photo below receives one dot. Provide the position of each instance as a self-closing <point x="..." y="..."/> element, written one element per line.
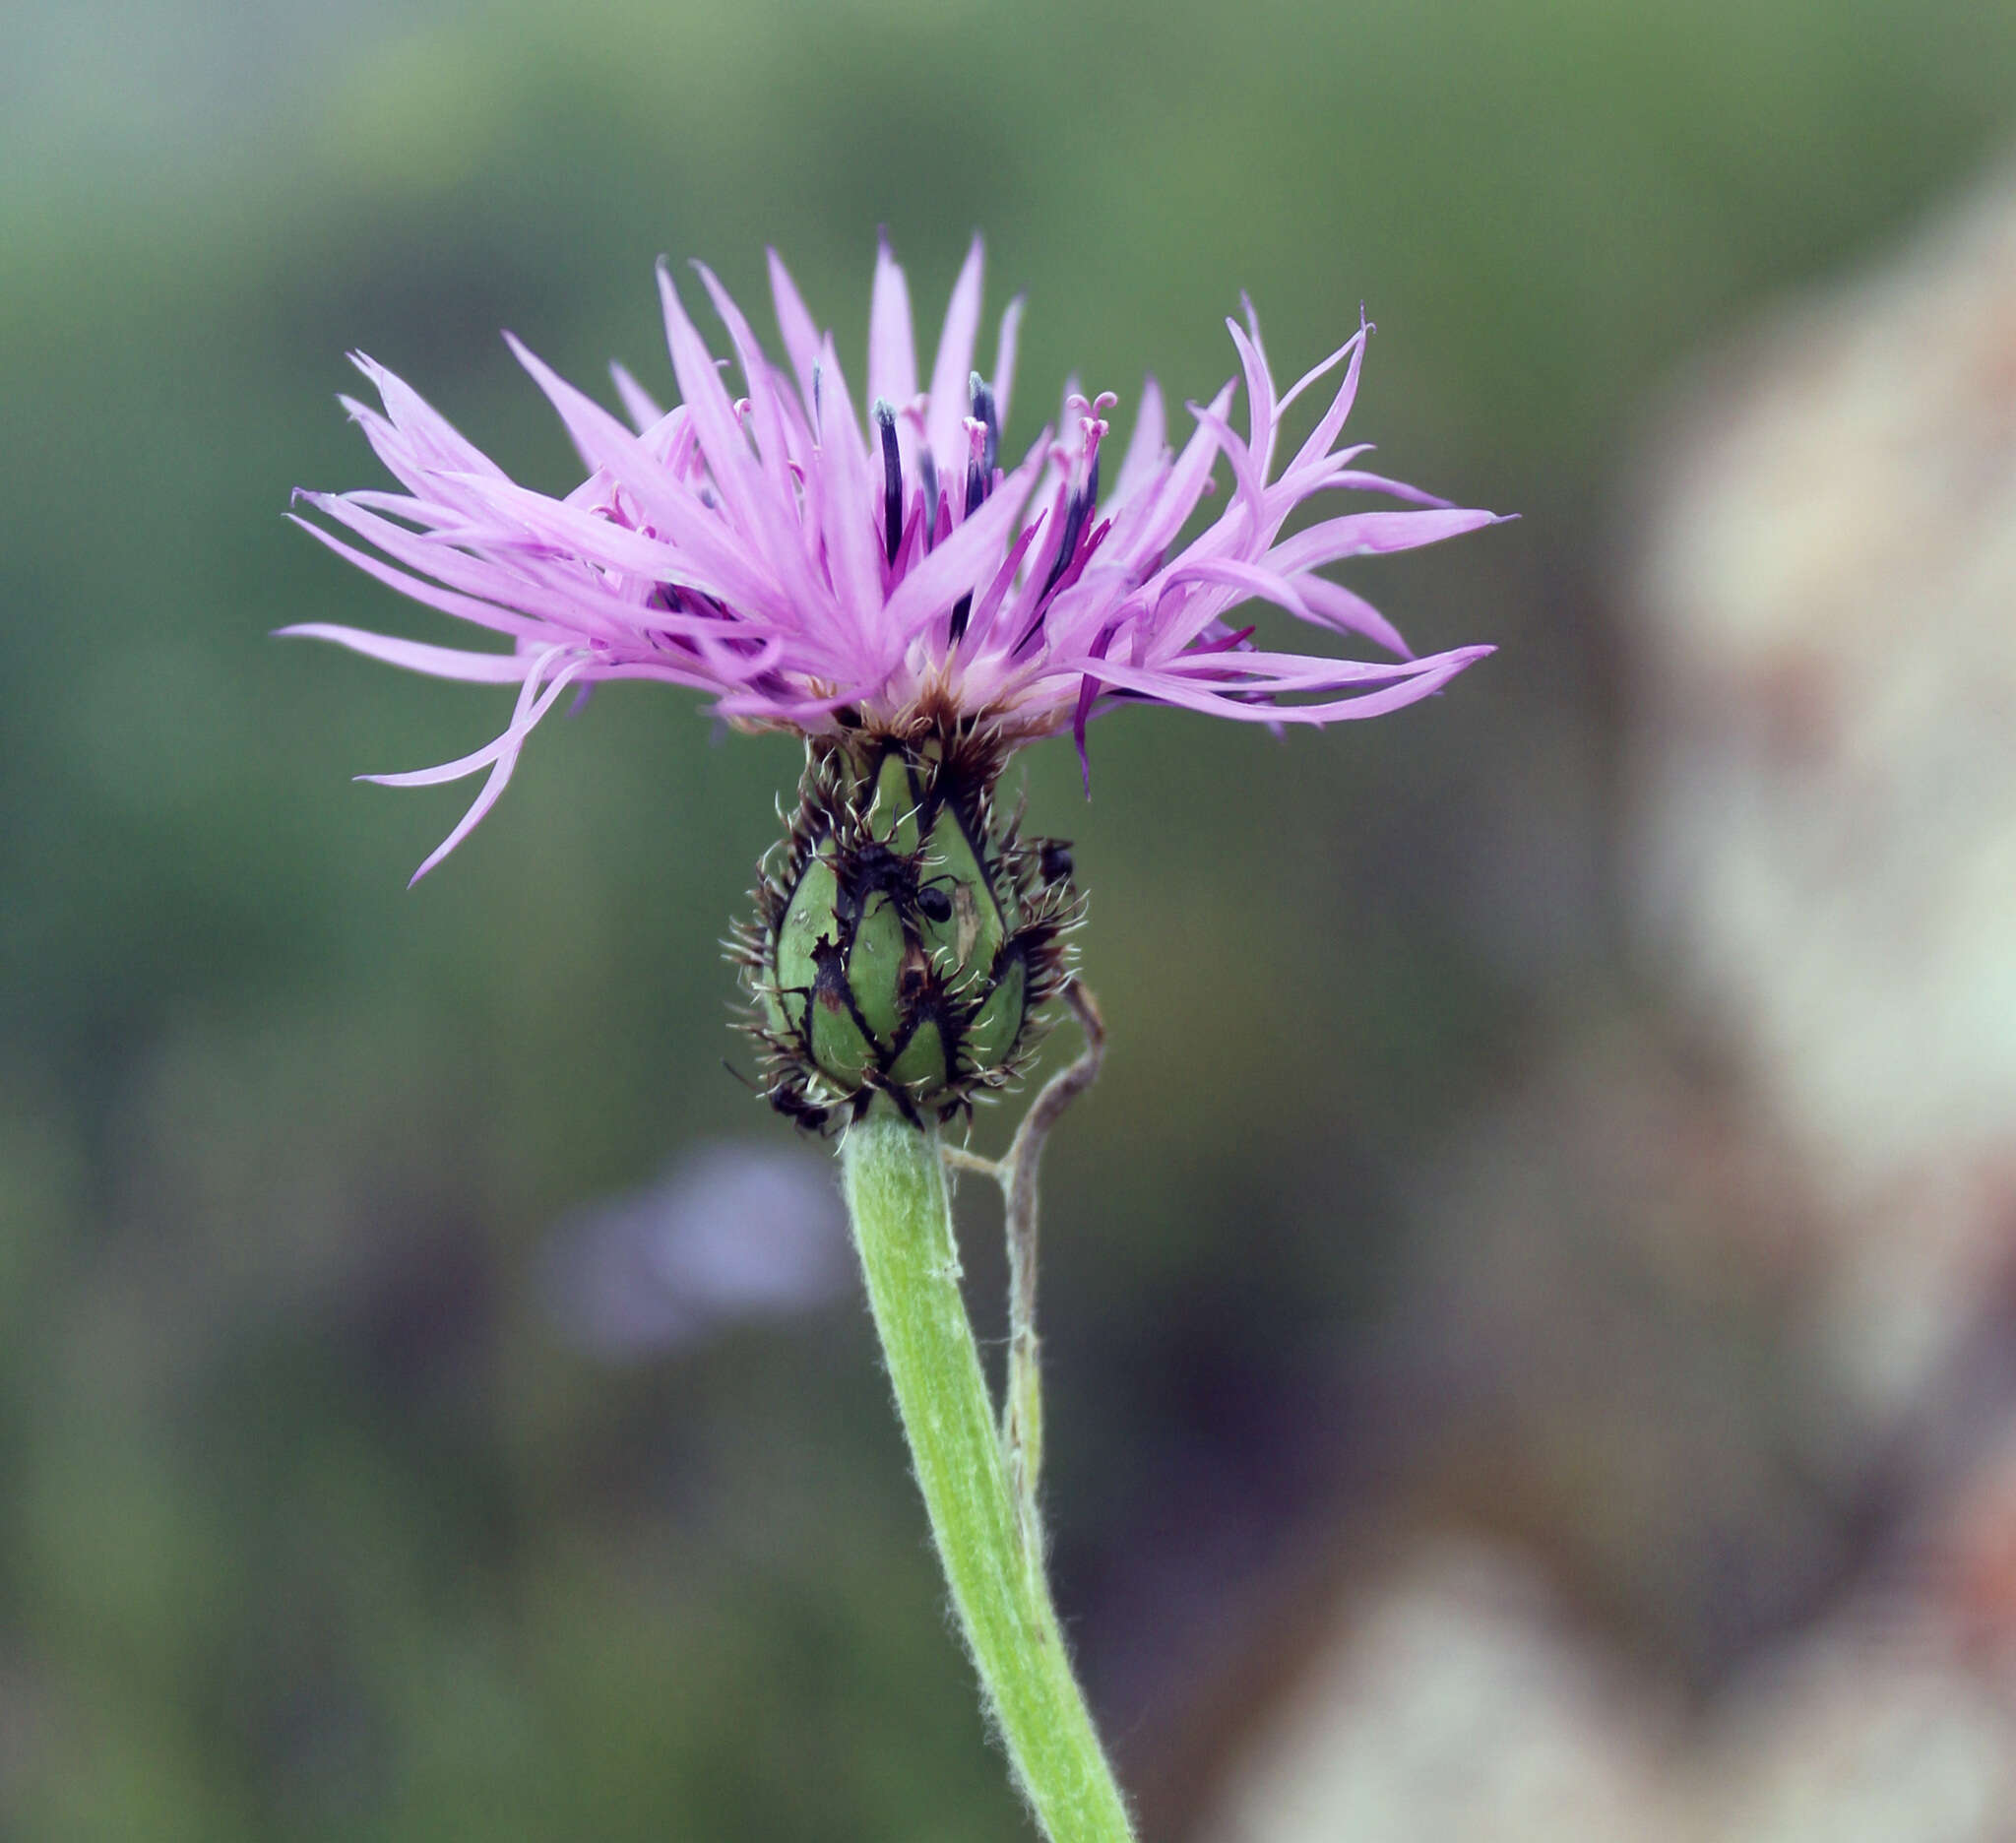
<point x="1528" y="1305"/>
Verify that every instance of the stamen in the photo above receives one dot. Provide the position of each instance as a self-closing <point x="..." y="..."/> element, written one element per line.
<point x="892" y="479"/>
<point x="1075" y="510"/>
<point x="818" y="409"/>
<point x="927" y="466"/>
<point x="980" y="475"/>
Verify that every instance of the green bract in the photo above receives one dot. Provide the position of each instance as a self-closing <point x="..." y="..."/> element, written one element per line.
<point x="904" y="937"/>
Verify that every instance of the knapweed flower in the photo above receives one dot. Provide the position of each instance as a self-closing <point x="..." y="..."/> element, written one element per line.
<point x="889" y="587"/>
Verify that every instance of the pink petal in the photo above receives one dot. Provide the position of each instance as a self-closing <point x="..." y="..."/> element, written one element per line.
<point x="1237" y="701"/>
<point x="988" y="602"/>
<point x="892" y="346"/>
<point x="1181" y="490"/>
<point x="949" y="402"/>
<point x="1002" y="382"/>
<point x="432" y="434"/>
<point x="1373" y="533"/>
<point x="796" y="326"/>
<point x="638" y="401"/>
<point x="1144" y="447"/>
<point x="462" y="607"/>
<point x="1338" y="606"/>
<point x="437" y="661"/>
<point x="1259" y="390"/>
<point x="1328" y="428"/>
<point x="1352" y="479"/>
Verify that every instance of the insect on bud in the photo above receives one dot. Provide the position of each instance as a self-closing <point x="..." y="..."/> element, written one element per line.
<point x="905" y="937"/>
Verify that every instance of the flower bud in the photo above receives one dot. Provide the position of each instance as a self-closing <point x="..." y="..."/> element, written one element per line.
<point x="905" y="938"/>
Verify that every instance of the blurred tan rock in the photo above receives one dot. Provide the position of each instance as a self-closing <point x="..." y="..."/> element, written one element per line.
<point x="1454" y="1702"/>
<point x="1821" y="849"/>
<point x="1825" y="830"/>
<point x="1453" y="1706"/>
<point x="1874" y="1729"/>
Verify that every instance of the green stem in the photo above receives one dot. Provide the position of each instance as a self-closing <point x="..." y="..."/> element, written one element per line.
<point x="903" y="1227"/>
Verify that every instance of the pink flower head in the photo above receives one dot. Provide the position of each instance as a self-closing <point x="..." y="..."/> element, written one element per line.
<point x="817" y="571"/>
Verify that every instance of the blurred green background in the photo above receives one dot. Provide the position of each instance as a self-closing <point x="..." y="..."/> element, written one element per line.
<point x="315" y="1522"/>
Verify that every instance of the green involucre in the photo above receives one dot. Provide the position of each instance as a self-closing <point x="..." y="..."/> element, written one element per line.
<point x="905" y="938"/>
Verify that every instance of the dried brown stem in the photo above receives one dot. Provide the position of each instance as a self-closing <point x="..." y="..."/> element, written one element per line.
<point x="1016" y="1174"/>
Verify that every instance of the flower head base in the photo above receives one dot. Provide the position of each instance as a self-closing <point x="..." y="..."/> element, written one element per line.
<point x="904" y="940"/>
<point x="887" y="577"/>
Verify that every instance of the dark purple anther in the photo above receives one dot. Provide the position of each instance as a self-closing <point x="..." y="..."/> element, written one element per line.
<point x="927" y="469"/>
<point x="1075" y="510"/>
<point x="892" y="480"/>
<point x="979" y="475"/>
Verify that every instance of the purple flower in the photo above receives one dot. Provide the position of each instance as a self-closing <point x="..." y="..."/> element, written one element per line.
<point x="731" y="1233"/>
<point x="815" y="571"/>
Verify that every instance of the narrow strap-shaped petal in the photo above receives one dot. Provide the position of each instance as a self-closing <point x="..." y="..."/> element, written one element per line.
<point x="1249" y="702"/>
<point x="1248" y="579"/>
<point x="590" y="426"/>
<point x="1317" y="372"/>
<point x="1300" y="478"/>
<point x="1182" y="489"/>
<point x="1332" y="421"/>
<point x="1335" y="605"/>
<point x="771" y="442"/>
<point x="538" y="597"/>
<point x="1355" y="479"/>
<point x="1296" y="671"/>
<point x="1259" y="390"/>
<point x="760" y="495"/>
<point x="796" y="326"/>
<point x="533" y="704"/>
<point x="729" y="461"/>
<point x="1373" y="533"/>
<point x="505" y="759"/>
<point x="437" y="661"/>
<point x="637" y="403"/>
<point x="852" y="501"/>
<point x="1145" y="448"/>
<point x="1005" y="348"/>
<point x="988" y="604"/>
<point x="606" y="442"/>
<point x="1251" y="485"/>
<point x="413" y="462"/>
<point x="420" y="422"/>
<point x="462" y="606"/>
<point x="716" y="569"/>
<point x="892" y="345"/>
<point x="944" y="427"/>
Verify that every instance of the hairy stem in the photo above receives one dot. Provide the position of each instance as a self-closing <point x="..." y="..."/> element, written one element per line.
<point x="903" y="1227"/>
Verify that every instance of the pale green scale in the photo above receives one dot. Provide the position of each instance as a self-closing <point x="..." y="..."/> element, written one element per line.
<point x="996" y="1024"/>
<point x="838" y="1045"/>
<point x="921" y="1066"/>
<point x="972" y="935"/>
<point x="874" y="965"/>
<point x="806" y="923"/>
<point x="893" y="816"/>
